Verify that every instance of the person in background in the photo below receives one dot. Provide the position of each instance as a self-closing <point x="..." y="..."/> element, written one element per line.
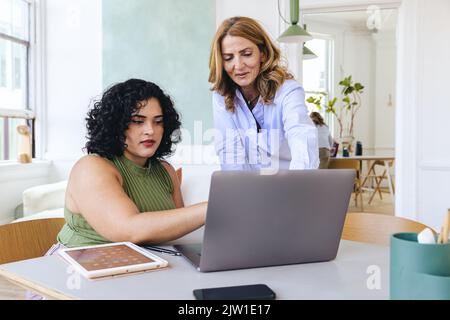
<point x="259" y="110"/>
<point x="325" y="139"/>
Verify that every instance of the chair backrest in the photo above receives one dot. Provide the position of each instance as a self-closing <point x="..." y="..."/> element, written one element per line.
<point x="344" y="164"/>
<point x="28" y="239"/>
<point x="377" y="228"/>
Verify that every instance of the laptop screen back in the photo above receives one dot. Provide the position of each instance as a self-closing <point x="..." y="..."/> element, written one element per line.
<point x="256" y="220"/>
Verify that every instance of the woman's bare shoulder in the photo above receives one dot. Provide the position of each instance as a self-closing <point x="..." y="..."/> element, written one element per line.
<point x="170" y="169"/>
<point x="91" y="166"/>
<point x="87" y="175"/>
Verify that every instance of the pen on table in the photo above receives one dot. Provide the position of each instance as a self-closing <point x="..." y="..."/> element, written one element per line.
<point x="162" y="250"/>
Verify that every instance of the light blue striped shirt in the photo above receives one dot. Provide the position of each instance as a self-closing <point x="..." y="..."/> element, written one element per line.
<point x="288" y="139"/>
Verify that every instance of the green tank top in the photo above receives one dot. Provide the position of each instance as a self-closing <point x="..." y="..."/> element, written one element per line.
<point x="149" y="188"/>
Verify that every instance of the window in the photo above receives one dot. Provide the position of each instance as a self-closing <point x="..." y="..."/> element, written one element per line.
<point x="317" y="73"/>
<point x="15" y="108"/>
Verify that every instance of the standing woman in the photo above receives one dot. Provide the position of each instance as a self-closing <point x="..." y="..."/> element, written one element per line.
<point x="325" y="139"/>
<point x="260" y="115"/>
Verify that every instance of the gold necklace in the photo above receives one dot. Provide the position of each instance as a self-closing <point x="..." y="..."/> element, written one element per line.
<point x="249" y="102"/>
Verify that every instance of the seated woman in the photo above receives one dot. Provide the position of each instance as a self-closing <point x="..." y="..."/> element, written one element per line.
<point x="123" y="190"/>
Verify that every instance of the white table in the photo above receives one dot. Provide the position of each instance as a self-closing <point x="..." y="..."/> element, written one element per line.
<point x="346" y="277"/>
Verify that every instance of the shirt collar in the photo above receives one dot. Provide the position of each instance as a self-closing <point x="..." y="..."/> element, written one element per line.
<point x="239" y="95"/>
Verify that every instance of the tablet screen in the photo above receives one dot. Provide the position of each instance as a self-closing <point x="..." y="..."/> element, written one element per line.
<point x="108" y="257"/>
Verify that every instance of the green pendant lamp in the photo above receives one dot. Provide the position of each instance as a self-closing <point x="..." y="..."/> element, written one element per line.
<point x="308" y="54"/>
<point x="295" y="33"/>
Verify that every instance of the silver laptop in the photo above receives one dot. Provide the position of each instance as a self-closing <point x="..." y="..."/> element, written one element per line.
<point x="256" y="220"/>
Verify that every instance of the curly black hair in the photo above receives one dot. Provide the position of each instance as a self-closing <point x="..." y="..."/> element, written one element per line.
<point x="110" y="117"/>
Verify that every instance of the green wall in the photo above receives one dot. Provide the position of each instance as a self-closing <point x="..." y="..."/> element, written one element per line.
<point x="166" y="42"/>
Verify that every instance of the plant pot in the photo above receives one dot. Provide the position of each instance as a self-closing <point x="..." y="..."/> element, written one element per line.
<point x="348" y="143"/>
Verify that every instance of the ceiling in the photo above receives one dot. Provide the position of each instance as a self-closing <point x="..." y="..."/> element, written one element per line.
<point x="385" y="19"/>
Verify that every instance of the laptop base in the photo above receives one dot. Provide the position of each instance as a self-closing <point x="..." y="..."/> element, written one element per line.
<point x="192" y="252"/>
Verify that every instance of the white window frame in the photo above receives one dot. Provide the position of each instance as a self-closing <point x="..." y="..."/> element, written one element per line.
<point x="35" y="79"/>
<point x="330" y="77"/>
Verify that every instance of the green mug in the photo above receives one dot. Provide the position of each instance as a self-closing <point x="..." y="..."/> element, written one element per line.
<point x="418" y="271"/>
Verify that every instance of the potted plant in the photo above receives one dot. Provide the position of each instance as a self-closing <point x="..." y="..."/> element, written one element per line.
<point x="346" y="112"/>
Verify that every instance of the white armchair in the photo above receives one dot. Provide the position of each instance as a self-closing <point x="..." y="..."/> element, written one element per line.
<point x="44" y="197"/>
<point x="47" y="201"/>
<point x="195" y="183"/>
<point x="44" y="201"/>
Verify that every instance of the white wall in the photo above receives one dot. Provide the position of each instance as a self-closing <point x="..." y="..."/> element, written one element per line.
<point x="358" y="60"/>
<point x="74" y="76"/>
<point x="385" y="94"/>
<point x="265" y="11"/>
<point x="423" y="112"/>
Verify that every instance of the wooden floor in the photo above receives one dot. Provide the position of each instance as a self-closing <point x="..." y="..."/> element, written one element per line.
<point x="9" y="291"/>
<point x="384" y="206"/>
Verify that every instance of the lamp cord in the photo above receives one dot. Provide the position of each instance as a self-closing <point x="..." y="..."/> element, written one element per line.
<point x="279" y="13"/>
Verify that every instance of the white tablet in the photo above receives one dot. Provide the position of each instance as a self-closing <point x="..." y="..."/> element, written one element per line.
<point x="111" y="259"/>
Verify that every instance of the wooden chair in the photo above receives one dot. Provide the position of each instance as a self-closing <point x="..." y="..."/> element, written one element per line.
<point x="378" y="178"/>
<point x="350" y="164"/>
<point x="377" y="228"/>
<point x="28" y="239"/>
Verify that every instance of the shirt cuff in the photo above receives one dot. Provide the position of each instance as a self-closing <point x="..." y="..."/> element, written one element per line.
<point x="297" y="165"/>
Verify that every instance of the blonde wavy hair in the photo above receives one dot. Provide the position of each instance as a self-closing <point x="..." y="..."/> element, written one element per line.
<point x="272" y="74"/>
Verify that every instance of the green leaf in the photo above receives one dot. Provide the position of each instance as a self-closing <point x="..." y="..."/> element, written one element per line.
<point x="358" y="86"/>
<point x="346" y="82"/>
<point x="348" y="90"/>
<point x="332" y="102"/>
